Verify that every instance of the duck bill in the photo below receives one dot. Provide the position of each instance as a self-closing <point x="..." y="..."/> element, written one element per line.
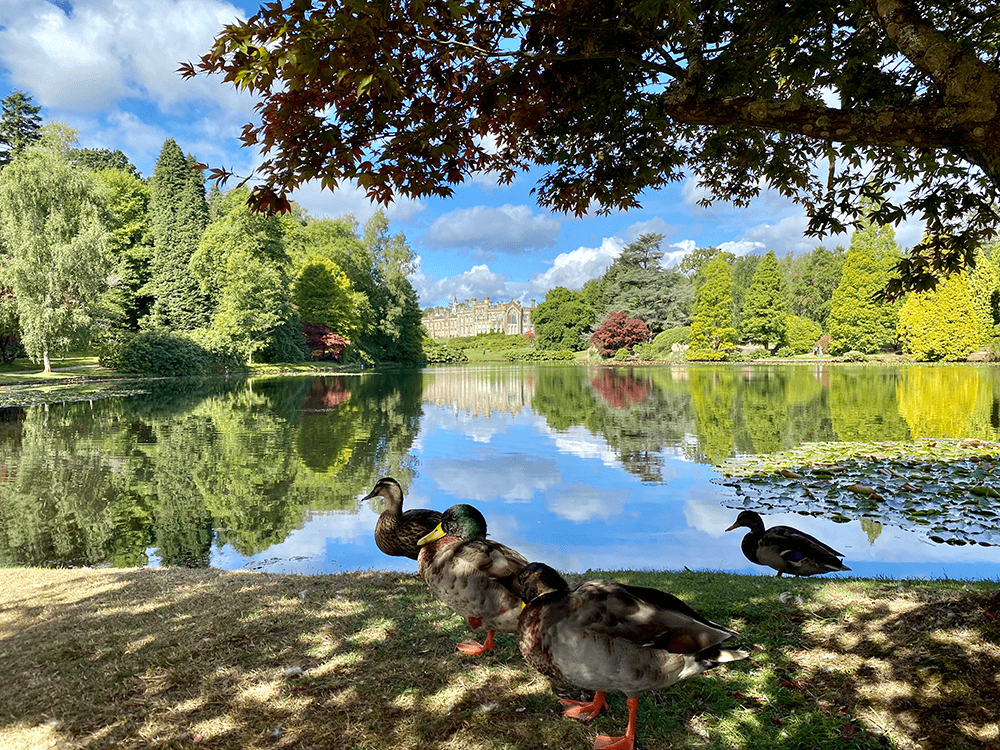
<point x="436" y="534"/>
<point x="734" y="526"/>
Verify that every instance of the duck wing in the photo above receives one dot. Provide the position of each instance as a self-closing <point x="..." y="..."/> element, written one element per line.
<point x="644" y="616"/>
<point x="794" y="545"/>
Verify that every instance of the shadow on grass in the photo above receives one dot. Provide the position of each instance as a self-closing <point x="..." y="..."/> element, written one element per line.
<point x="178" y="659"/>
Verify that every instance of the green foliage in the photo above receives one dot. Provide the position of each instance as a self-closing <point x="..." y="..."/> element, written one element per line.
<point x="621" y="355"/>
<point x="443" y="354"/>
<point x="636" y="284"/>
<point x="765" y="307"/>
<point x="712" y="332"/>
<point x="163" y="354"/>
<point x="743" y="269"/>
<point x="52" y="223"/>
<point x="801" y="334"/>
<point x="857" y="319"/>
<point x="322" y="295"/>
<point x="665" y="340"/>
<point x="561" y="320"/>
<point x="811" y="280"/>
<point x="953" y="320"/>
<point x="854" y="356"/>
<point x="541" y="355"/>
<point x="179" y="216"/>
<point x="20" y="125"/>
<point x="100" y="159"/>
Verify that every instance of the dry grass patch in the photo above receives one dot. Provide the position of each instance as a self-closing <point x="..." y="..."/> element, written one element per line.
<point x="189" y="659"/>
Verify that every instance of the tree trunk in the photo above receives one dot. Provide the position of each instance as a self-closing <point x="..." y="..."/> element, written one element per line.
<point x="46" y="362"/>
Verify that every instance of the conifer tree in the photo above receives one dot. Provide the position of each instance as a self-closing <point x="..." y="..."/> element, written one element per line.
<point x="858" y="321"/>
<point x="712" y="332"/>
<point x="765" y="307"/>
<point x="20" y="125"/>
<point x="179" y="214"/>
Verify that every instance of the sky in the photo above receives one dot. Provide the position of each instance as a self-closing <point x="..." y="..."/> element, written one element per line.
<point x="108" y="69"/>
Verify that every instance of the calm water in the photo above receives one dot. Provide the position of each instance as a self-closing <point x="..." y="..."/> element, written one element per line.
<point x="578" y="467"/>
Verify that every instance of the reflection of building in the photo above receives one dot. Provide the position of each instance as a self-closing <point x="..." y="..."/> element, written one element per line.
<point x="479" y="391"/>
<point x="472" y="318"/>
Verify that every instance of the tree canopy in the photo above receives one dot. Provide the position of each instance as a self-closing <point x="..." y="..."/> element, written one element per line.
<point x="612" y="99"/>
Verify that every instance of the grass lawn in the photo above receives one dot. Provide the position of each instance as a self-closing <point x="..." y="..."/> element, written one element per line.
<point x="141" y="658"/>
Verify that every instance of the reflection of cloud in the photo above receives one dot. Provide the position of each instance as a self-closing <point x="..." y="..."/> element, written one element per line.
<point x="577" y="441"/>
<point x="455" y="419"/>
<point x="582" y="503"/>
<point x="512" y="478"/>
<point x="703" y="512"/>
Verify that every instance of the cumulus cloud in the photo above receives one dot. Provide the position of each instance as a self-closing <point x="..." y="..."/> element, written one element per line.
<point x="508" y="229"/>
<point x="580" y="503"/>
<point x="98" y="52"/>
<point x="511" y="478"/>
<point x="351" y="199"/>
<point x="476" y="283"/>
<point x="574" y="269"/>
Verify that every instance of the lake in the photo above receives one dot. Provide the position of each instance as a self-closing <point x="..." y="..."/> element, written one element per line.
<point x="579" y="467"/>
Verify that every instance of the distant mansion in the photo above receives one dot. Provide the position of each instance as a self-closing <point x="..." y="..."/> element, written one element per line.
<point x="472" y="318"/>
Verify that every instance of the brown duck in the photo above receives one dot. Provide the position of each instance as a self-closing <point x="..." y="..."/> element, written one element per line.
<point x="396" y="532"/>
<point x="604" y="636"/>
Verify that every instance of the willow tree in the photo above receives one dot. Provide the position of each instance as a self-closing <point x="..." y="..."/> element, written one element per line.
<point x="613" y="99"/>
<point x="52" y="224"/>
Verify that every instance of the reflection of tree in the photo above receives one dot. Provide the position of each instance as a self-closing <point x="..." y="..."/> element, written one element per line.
<point x="764" y="408"/>
<point x="863" y="404"/>
<point x="619" y="388"/>
<point x="872" y="528"/>
<point x="638" y="432"/>
<point x="713" y="401"/>
<point x="64" y="502"/>
<point x="938" y="401"/>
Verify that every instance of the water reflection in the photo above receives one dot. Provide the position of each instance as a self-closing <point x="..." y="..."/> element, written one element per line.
<point x="580" y="467"/>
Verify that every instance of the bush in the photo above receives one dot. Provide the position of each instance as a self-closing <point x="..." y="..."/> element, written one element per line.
<point x="163" y="354"/>
<point x="542" y="355"/>
<point x="665" y="340"/>
<point x="445" y="355"/>
<point x="800" y="334"/>
<point x="749" y="356"/>
<point x="646" y="352"/>
<point x="785" y="352"/>
<point x="853" y="356"/>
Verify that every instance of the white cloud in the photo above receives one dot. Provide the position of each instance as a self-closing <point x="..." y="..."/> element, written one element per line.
<point x="507" y="229"/>
<point x="655" y="225"/>
<point x="104" y="51"/>
<point x="574" y="269"/>
<point x="582" y="503"/>
<point x="351" y="199"/>
<point x="476" y="283"/>
<point x="512" y="478"/>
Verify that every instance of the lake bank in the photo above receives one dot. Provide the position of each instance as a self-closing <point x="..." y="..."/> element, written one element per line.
<point x="169" y="658"/>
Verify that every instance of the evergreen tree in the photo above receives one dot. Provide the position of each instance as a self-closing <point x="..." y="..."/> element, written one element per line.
<point x="102" y="158"/>
<point x="857" y="320"/>
<point x="635" y="283"/>
<point x="712" y="332"/>
<point x="52" y="223"/>
<point x="811" y="280"/>
<point x="179" y="214"/>
<point x="953" y="320"/>
<point x="743" y="269"/>
<point x="765" y="307"/>
<point x="20" y="125"/>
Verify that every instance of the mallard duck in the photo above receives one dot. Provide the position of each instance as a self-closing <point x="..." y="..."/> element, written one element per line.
<point x="396" y="532"/>
<point x="472" y="574"/>
<point x="786" y="549"/>
<point x="604" y="636"/>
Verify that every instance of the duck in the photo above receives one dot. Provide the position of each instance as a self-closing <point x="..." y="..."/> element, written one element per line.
<point x="786" y="549"/>
<point x="396" y="532"/>
<point x="471" y="574"/>
<point x="607" y="636"/>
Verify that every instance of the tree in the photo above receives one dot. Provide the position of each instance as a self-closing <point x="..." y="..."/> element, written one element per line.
<point x="408" y="98"/>
<point x="51" y="221"/>
<point x="637" y="284"/>
<point x="179" y="215"/>
<point x="743" y="269"/>
<point x="765" y="308"/>
<point x="952" y="321"/>
<point x="242" y="268"/>
<point x="811" y="281"/>
<point x="322" y="295"/>
<point x="561" y="320"/>
<point x="20" y="125"/>
<point x="102" y="158"/>
<point x="618" y="331"/>
<point x="712" y="332"/>
<point x="858" y="320"/>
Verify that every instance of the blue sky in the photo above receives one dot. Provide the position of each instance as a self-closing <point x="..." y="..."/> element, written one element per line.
<point x="108" y="69"/>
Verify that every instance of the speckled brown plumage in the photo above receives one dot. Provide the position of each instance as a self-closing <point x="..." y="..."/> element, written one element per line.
<point x="472" y="575"/>
<point x="396" y="532"/>
<point x="606" y="636"/>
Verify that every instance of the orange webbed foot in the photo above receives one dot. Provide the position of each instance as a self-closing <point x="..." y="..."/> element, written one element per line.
<point x="474" y="648"/>
<point x="614" y="743"/>
<point x="585" y="710"/>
